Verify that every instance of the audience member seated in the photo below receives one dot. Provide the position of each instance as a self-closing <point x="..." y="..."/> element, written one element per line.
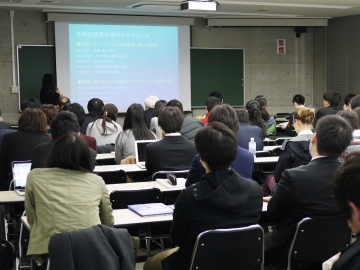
<point x="255" y="118"/>
<point x="356" y="133"/>
<point x="61" y="103"/>
<point x="295" y="152"/>
<point x="246" y="132"/>
<point x="17" y="146"/>
<point x="331" y="100"/>
<point x="94" y="107"/>
<point x="134" y="129"/>
<point x="353" y="119"/>
<point x="223" y="199"/>
<point x="298" y="102"/>
<point x="63" y="123"/>
<point x="210" y="103"/>
<point x="29" y="103"/>
<point x="346" y="187"/>
<point x="154" y="125"/>
<point x="355" y="102"/>
<point x="49" y="93"/>
<point x="174" y="152"/>
<point x="65" y="195"/>
<point x="190" y="125"/>
<point x="50" y="113"/>
<point x="243" y="164"/>
<point x="347" y="99"/>
<point x="78" y="110"/>
<point x="105" y="130"/>
<point x="306" y="191"/>
<point x="269" y="120"/>
<point x="149" y="109"/>
<point x="217" y="95"/>
<point x="4" y="125"/>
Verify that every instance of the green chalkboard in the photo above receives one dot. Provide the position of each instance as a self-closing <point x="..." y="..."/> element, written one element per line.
<point x="33" y="62"/>
<point x="220" y="70"/>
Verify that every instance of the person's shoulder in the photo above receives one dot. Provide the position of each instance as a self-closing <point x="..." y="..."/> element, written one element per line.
<point x="192" y="120"/>
<point x="244" y="152"/>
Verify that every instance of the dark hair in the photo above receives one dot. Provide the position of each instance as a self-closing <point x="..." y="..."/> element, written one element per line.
<point x="305" y="115"/>
<point x="299" y="99"/>
<point x="347" y="98"/>
<point x="351" y="117"/>
<point x="243" y="116"/>
<point x="70" y="152"/>
<point x="263" y="103"/>
<point x="332" y="97"/>
<point x="357" y="111"/>
<point x="32" y="119"/>
<point x="171" y="119"/>
<point x="334" y="134"/>
<point x="108" y="113"/>
<point x="255" y="116"/>
<point x="135" y="120"/>
<point x="211" y="102"/>
<point x="175" y="103"/>
<point x="62" y="101"/>
<point x="48" y="81"/>
<point x="346" y="183"/>
<point x="95" y="105"/>
<point x="223" y="143"/>
<point x="77" y="109"/>
<point x="355" y="102"/>
<point x="30" y="103"/>
<point x="159" y="105"/>
<point x="63" y="123"/>
<point x="225" y="114"/>
<point x="217" y="95"/>
<point x="258" y="96"/>
<point x="50" y="112"/>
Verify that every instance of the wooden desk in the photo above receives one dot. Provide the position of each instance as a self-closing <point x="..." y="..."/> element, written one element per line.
<point x="263" y="160"/>
<point x="128" y="168"/>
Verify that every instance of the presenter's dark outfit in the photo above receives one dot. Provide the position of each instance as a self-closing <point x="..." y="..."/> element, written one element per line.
<point x="47" y="97"/>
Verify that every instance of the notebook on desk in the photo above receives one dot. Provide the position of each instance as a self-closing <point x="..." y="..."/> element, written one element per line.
<point x="140" y="152"/>
<point x="150" y="209"/>
<point x="20" y="171"/>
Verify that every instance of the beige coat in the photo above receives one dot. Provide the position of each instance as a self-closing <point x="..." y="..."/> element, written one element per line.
<point x="58" y="200"/>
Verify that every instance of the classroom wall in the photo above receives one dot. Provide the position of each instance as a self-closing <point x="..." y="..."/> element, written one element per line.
<point x="278" y="77"/>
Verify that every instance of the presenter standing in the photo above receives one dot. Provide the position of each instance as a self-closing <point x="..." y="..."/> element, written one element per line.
<point x="49" y="93"/>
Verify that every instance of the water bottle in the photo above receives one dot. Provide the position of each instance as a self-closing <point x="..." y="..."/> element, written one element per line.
<point x="252" y="146"/>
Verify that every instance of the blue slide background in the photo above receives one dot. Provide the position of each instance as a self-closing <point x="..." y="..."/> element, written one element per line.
<point x="123" y="63"/>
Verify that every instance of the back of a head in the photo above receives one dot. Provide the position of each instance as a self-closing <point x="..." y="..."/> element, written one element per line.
<point x="351" y="117"/>
<point x="299" y="99"/>
<point x="263" y="103"/>
<point x="217" y="95"/>
<point x="159" y="105"/>
<point x="32" y="119"/>
<point x="334" y="134"/>
<point x="63" y="123"/>
<point x="255" y="115"/>
<point x="108" y="112"/>
<point x="70" y="152"/>
<point x="346" y="184"/>
<point x="243" y="116"/>
<point x="150" y="101"/>
<point x="135" y="120"/>
<point x="76" y="109"/>
<point x="332" y="97"/>
<point x="62" y="101"/>
<point x="223" y="143"/>
<point x="95" y="105"/>
<point x="225" y="114"/>
<point x="171" y="119"/>
<point x="211" y="102"/>
<point x="355" y="102"/>
<point x="30" y="103"/>
<point x="347" y="98"/>
<point x="357" y="111"/>
<point x="305" y="115"/>
<point x="175" y="103"/>
<point x="50" y="112"/>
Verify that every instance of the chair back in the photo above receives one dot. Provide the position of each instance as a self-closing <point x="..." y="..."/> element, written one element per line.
<point x="240" y="248"/>
<point x="113" y="177"/>
<point x="263" y="153"/>
<point x="120" y="199"/>
<point x="280" y="141"/>
<point x="162" y="174"/>
<point x="318" y="240"/>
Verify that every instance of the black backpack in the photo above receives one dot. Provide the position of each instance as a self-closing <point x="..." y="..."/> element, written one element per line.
<point x="6" y="255"/>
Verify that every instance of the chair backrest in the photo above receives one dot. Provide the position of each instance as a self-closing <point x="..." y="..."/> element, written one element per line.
<point x="318" y="240"/>
<point x="120" y="199"/>
<point x="276" y="151"/>
<point x="113" y="177"/>
<point x="280" y="141"/>
<point x="240" y="248"/>
<point x="162" y="174"/>
<point x="263" y="154"/>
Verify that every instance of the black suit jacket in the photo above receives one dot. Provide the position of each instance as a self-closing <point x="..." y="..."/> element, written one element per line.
<point x="42" y="151"/>
<point x="87" y="120"/>
<point x="172" y="153"/>
<point x="349" y="258"/>
<point x="149" y="113"/>
<point x="325" y="111"/>
<point x="17" y="146"/>
<point x="4" y="125"/>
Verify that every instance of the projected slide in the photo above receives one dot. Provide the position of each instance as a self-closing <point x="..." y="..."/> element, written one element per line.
<point x="121" y="62"/>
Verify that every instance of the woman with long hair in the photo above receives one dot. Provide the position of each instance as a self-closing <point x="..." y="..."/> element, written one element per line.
<point x="49" y="93"/>
<point x="105" y="130"/>
<point x="269" y="120"/>
<point x="254" y="110"/>
<point x="134" y="129"/>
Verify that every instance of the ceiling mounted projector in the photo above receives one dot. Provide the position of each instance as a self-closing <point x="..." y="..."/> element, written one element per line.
<point x="199" y="5"/>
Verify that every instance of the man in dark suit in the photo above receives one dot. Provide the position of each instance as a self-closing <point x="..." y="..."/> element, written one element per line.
<point x="4" y="125"/>
<point x="94" y="107"/>
<point x="306" y="191"/>
<point x="347" y="195"/>
<point x="174" y="152"/>
<point x="331" y="100"/>
<point x="149" y="109"/>
<point x="63" y="123"/>
<point x="299" y="102"/>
